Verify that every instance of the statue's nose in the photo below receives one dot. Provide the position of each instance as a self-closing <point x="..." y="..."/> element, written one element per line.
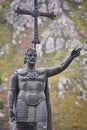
<point x="32" y="56"/>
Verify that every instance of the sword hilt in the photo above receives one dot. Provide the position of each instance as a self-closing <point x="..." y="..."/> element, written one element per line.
<point x="36" y="40"/>
<point x="35" y="4"/>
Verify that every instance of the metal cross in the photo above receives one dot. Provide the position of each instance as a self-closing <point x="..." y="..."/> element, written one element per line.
<point x="35" y="13"/>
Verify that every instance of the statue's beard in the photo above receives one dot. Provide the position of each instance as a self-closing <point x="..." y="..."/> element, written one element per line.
<point x="31" y="62"/>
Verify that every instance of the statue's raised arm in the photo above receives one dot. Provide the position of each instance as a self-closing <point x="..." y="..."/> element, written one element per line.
<point x="56" y="70"/>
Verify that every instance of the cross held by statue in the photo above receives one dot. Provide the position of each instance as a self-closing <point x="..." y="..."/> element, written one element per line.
<point x="35" y="13"/>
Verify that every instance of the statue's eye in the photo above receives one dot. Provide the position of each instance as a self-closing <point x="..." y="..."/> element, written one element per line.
<point x="35" y="55"/>
<point x="29" y="55"/>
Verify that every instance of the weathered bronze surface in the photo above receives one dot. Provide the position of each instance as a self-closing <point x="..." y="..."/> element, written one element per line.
<point x="28" y="98"/>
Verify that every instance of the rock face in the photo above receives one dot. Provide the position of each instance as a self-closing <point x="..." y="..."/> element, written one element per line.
<point x="60" y="32"/>
<point x="18" y="21"/>
<point x="63" y="32"/>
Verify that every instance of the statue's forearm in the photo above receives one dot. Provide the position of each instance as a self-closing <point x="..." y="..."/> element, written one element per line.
<point x="66" y="63"/>
<point x="10" y="99"/>
<point x="56" y="70"/>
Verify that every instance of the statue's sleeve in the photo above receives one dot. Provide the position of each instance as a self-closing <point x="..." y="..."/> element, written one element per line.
<point x="58" y="69"/>
<point x="13" y="90"/>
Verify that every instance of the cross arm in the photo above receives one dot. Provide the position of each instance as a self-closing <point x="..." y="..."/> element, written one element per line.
<point x="49" y="15"/>
<point x="25" y="12"/>
<point x="35" y="13"/>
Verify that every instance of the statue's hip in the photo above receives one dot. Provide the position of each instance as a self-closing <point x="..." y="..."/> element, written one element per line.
<point x="31" y="97"/>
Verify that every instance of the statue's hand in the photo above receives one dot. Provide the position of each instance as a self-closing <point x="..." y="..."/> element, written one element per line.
<point x="11" y="114"/>
<point x="76" y="52"/>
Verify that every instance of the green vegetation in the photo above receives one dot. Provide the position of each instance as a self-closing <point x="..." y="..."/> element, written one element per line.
<point x="1" y="104"/>
<point x="6" y="49"/>
<point x="5" y="6"/>
<point x="9" y="56"/>
<point x="77" y="19"/>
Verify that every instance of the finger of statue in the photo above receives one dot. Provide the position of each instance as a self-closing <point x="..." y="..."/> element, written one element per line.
<point x="79" y="49"/>
<point x="74" y="49"/>
<point x="78" y="53"/>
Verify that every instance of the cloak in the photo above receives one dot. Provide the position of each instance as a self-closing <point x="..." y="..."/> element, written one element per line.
<point x="49" y="113"/>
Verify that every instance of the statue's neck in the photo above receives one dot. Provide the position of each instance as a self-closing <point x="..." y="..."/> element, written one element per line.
<point x="30" y="67"/>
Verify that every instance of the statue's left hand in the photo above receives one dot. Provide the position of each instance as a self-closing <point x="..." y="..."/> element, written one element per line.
<point x="12" y="115"/>
<point x="76" y="52"/>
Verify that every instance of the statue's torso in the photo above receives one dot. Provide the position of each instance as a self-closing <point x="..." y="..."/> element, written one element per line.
<point x="31" y="87"/>
<point x="31" y="103"/>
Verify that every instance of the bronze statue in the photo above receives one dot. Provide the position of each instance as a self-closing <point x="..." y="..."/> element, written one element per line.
<point x="28" y="98"/>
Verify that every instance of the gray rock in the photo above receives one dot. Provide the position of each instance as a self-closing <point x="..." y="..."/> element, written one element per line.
<point x="14" y="42"/>
<point x="1" y="7"/>
<point x="61" y="94"/>
<point x="55" y="6"/>
<point x="77" y="1"/>
<point x="3" y="86"/>
<point x="71" y="14"/>
<point x="1" y="115"/>
<point x="63" y="27"/>
<point x="60" y="43"/>
<point x="79" y="7"/>
<point x="50" y="45"/>
<point x="46" y="33"/>
<point x="65" y="6"/>
<point x="84" y="16"/>
<point x="4" y="49"/>
<point x="61" y="88"/>
<point x="72" y="43"/>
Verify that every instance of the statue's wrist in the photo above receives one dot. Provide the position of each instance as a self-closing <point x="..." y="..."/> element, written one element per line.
<point x="72" y="57"/>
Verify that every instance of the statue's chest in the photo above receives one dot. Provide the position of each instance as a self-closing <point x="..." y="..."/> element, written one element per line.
<point x="32" y="82"/>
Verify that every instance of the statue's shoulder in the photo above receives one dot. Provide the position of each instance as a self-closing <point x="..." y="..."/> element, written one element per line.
<point x="41" y="70"/>
<point x="20" y="71"/>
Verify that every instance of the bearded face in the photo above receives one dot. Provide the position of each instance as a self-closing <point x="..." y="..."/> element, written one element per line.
<point x="31" y="57"/>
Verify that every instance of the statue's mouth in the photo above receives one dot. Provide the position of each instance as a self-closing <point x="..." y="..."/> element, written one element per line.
<point x="32" y="61"/>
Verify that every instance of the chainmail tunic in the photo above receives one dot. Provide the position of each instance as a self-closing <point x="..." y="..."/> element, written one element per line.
<point x="31" y="104"/>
